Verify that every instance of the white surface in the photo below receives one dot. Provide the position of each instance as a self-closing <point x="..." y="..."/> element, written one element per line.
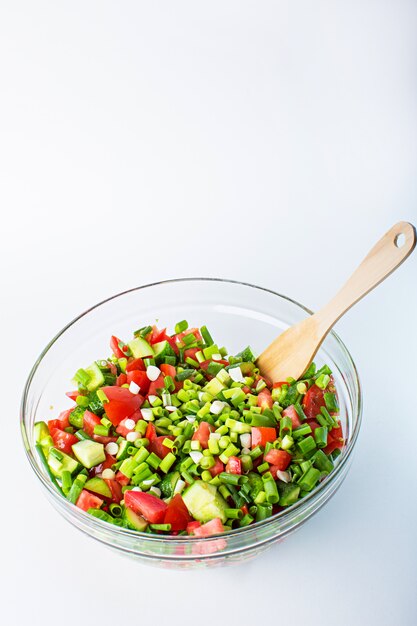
<point x="271" y="142"/>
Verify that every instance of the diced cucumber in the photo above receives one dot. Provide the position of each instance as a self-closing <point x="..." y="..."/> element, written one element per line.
<point x="135" y="521"/>
<point x="122" y="452"/>
<point x="247" y="355"/>
<point x="161" y="350"/>
<point x="256" y="484"/>
<point x="204" y="502"/>
<point x="96" y="376"/>
<point x="76" y="417"/>
<point x="47" y="443"/>
<point x="41" y="431"/>
<point x="246" y="368"/>
<point x="66" y="464"/>
<point x="98" y="485"/>
<point x="288" y="493"/>
<point x="168" y="483"/>
<point x="89" y="453"/>
<point x="140" y="348"/>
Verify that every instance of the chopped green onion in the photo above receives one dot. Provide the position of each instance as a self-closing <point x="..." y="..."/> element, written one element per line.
<point x="165" y="527"/>
<point x="322" y="381"/>
<point x="246" y="520"/>
<point x="263" y="511"/>
<point x="331" y="402"/>
<point x="102" y="396"/>
<point x="180" y="327"/>
<point x="167" y="462"/>
<point x="115" y="509"/>
<point x="208" y="339"/>
<point x="320" y="436"/>
<point x="309" y="479"/>
<point x="306" y="445"/>
<point x="82" y="377"/>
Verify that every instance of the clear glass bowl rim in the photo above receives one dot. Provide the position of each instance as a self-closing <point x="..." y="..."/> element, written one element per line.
<point x="117" y="530"/>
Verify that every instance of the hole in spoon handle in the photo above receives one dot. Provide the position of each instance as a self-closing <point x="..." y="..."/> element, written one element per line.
<point x="404" y="237"/>
<point x="387" y="254"/>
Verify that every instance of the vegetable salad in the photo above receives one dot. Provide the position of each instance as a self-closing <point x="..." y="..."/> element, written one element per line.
<point x="170" y="435"/>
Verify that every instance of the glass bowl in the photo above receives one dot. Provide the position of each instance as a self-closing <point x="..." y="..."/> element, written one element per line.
<point x="237" y="314"/>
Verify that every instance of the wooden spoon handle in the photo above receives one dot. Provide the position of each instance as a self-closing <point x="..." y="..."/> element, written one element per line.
<point x="390" y="251"/>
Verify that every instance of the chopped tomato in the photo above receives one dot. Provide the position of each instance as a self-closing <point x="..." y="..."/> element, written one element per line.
<point x="115" y="488"/>
<point x="168" y="370"/>
<point x="313" y="425"/>
<point x="114" y="345"/>
<point x="136" y="364"/>
<point x="150" y="432"/>
<point x="72" y="395"/>
<point x="262" y="434"/>
<point x="279" y="458"/>
<point x="63" y="440"/>
<point x="157" y="335"/>
<point x="202" y="434"/>
<point x="161" y="335"/>
<point x="331" y="446"/>
<point x="234" y="465"/>
<point x="191" y="526"/>
<point x="104" y="440"/>
<point x="159" y="383"/>
<point x="121" y="395"/>
<point x="107" y="464"/>
<point x="244" y="509"/>
<point x="190" y="353"/>
<point x="140" y="378"/>
<point x="122" y="403"/>
<point x="273" y="469"/>
<point x="54" y="424"/>
<point x="156" y="446"/>
<point x="213" y="527"/>
<point x="112" y="368"/>
<point x="293" y="415"/>
<point x="89" y="421"/>
<point x="194" y="331"/>
<point x="64" y="418"/>
<point x="152" y="508"/>
<point x="265" y="399"/>
<point x="217" y="468"/>
<point x="334" y="440"/>
<point x="313" y="401"/>
<point x="87" y="500"/>
<point x="121" y="379"/>
<point x="177" y="514"/>
<point x="279" y="384"/>
<point x="122" y="479"/>
<point x="122" y="429"/>
<point x="336" y="434"/>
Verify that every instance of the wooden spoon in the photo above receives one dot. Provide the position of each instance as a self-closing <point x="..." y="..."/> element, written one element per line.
<point x="292" y="352"/>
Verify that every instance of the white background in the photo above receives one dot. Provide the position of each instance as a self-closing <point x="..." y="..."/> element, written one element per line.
<point x="271" y="142"/>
